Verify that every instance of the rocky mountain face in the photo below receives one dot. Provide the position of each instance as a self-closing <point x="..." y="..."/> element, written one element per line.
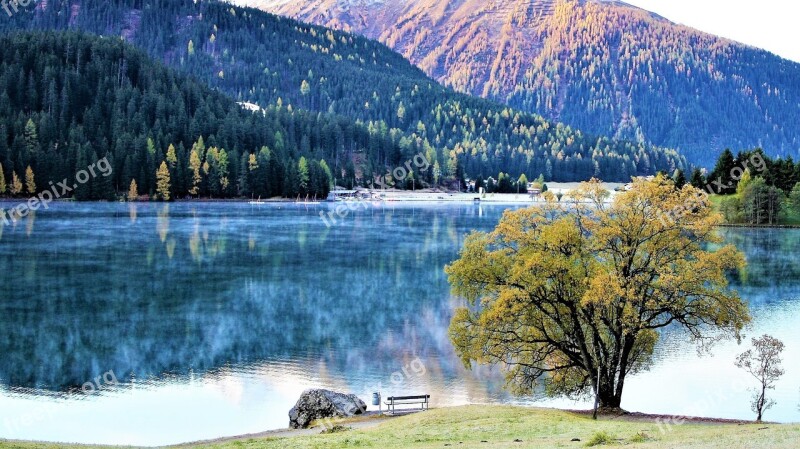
<point x="603" y="66"/>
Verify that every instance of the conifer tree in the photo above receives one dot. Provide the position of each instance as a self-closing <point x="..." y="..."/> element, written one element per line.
<point x="522" y="184"/>
<point x="30" y="182"/>
<point x="697" y="181"/>
<point x="3" y="186"/>
<point x="172" y="159"/>
<point x="163" y="184"/>
<point x="302" y="175"/>
<point x="31" y="140"/>
<point x="194" y="167"/>
<point x="679" y="178"/>
<point x="328" y="174"/>
<point x="16" y="184"/>
<point x="722" y="174"/>
<point x="133" y="191"/>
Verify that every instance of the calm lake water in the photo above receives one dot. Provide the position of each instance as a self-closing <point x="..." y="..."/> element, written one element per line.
<point x="214" y="317"/>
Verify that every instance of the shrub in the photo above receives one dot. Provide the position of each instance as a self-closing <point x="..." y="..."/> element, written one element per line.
<point x="600" y="438"/>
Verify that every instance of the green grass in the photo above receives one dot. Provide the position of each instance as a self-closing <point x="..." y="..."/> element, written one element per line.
<point x="499" y="426"/>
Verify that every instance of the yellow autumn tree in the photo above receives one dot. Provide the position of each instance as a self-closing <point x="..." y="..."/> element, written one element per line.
<point x="30" y="181"/>
<point x="573" y="294"/>
<point x="163" y="183"/>
<point x="3" y="186"/>
<point x="133" y="191"/>
<point x="197" y="178"/>
<point x="16" y="184"/>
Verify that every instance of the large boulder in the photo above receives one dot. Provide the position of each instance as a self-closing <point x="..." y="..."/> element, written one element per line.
<point x="320" y="404"/>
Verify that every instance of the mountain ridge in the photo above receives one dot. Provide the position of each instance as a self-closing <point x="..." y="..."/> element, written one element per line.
<point x="256" y="57"/>
<point x="605" y="67"/>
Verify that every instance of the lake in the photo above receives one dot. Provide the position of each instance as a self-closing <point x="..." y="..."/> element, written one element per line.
<point x="152" y="324"/>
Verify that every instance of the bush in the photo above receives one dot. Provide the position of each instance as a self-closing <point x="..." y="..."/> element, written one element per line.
<point x="600" y="438"/>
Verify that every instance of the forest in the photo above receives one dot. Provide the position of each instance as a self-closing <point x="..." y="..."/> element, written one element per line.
<point x="70" y="99"/>
<point x="318" y="78"/>
<point x="751" y="188"/>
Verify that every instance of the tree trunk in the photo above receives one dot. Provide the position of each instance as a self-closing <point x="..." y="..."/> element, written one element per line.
<point x="608" y="399"/>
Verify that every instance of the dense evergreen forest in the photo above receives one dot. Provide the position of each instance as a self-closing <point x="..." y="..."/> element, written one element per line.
<point x="70" y="99"/>
<point x="285" y="67"/>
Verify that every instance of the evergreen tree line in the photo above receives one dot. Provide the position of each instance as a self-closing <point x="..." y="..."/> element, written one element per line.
<point x="279" y="63"/>
<point x="70" y="99"/>
<point x="756" y="189"/>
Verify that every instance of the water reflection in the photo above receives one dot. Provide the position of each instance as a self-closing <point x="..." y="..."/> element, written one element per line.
<point x="217" y="285"/>
<point x="233" y="309"/>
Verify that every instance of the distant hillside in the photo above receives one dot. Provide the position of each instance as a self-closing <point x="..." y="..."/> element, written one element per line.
<point x="601" y="66"/>
<point x="257" y="57"/>
<point x="69" y="99"/>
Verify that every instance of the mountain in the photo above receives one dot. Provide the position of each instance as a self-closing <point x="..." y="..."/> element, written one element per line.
<point x="601" y="66"/>
<point x="277" y="63"/>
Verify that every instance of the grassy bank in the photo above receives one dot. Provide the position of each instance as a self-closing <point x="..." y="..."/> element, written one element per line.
<point x="500" y="426"/>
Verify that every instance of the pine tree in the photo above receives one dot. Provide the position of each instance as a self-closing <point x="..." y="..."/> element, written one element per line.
<point x="31" y="140"/>
<point x="133" y="191"/>
<point x="163" y="184"/>
<point x="30" y="182"/>
<point x="522" y="184"/>
<point x="328" y="173"/>
<point x="258" y="166"/>
<point x="16" y="184"/>
<point x="679" y="178"/>
<point x="244" y="176"/>
<point x="224" y="171"/>
<point x="3" y="186"/>
<point x="697" y="180"/>
<point x="302" y="175"/>
<point x="194" y="167"/>
<point x="172" y="159"/>
<point x="291" y="182"/>
<point x="723" y="173"/>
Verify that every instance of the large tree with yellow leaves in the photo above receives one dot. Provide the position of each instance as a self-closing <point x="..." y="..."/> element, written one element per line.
<point x="573" y="294"/>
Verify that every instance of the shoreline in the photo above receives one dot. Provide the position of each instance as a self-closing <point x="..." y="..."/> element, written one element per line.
<point x="373" y="419"/>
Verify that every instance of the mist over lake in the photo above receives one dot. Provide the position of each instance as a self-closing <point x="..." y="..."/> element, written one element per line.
<point x="212" y="318"/>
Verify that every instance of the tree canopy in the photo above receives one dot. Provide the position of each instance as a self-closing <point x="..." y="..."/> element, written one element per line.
<point x="569" y="291"/>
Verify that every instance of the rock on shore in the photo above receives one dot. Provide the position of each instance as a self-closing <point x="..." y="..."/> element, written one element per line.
<point x="318" y="404"/>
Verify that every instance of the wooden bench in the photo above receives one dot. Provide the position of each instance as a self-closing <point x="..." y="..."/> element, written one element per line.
<point x="393" y="401"/>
